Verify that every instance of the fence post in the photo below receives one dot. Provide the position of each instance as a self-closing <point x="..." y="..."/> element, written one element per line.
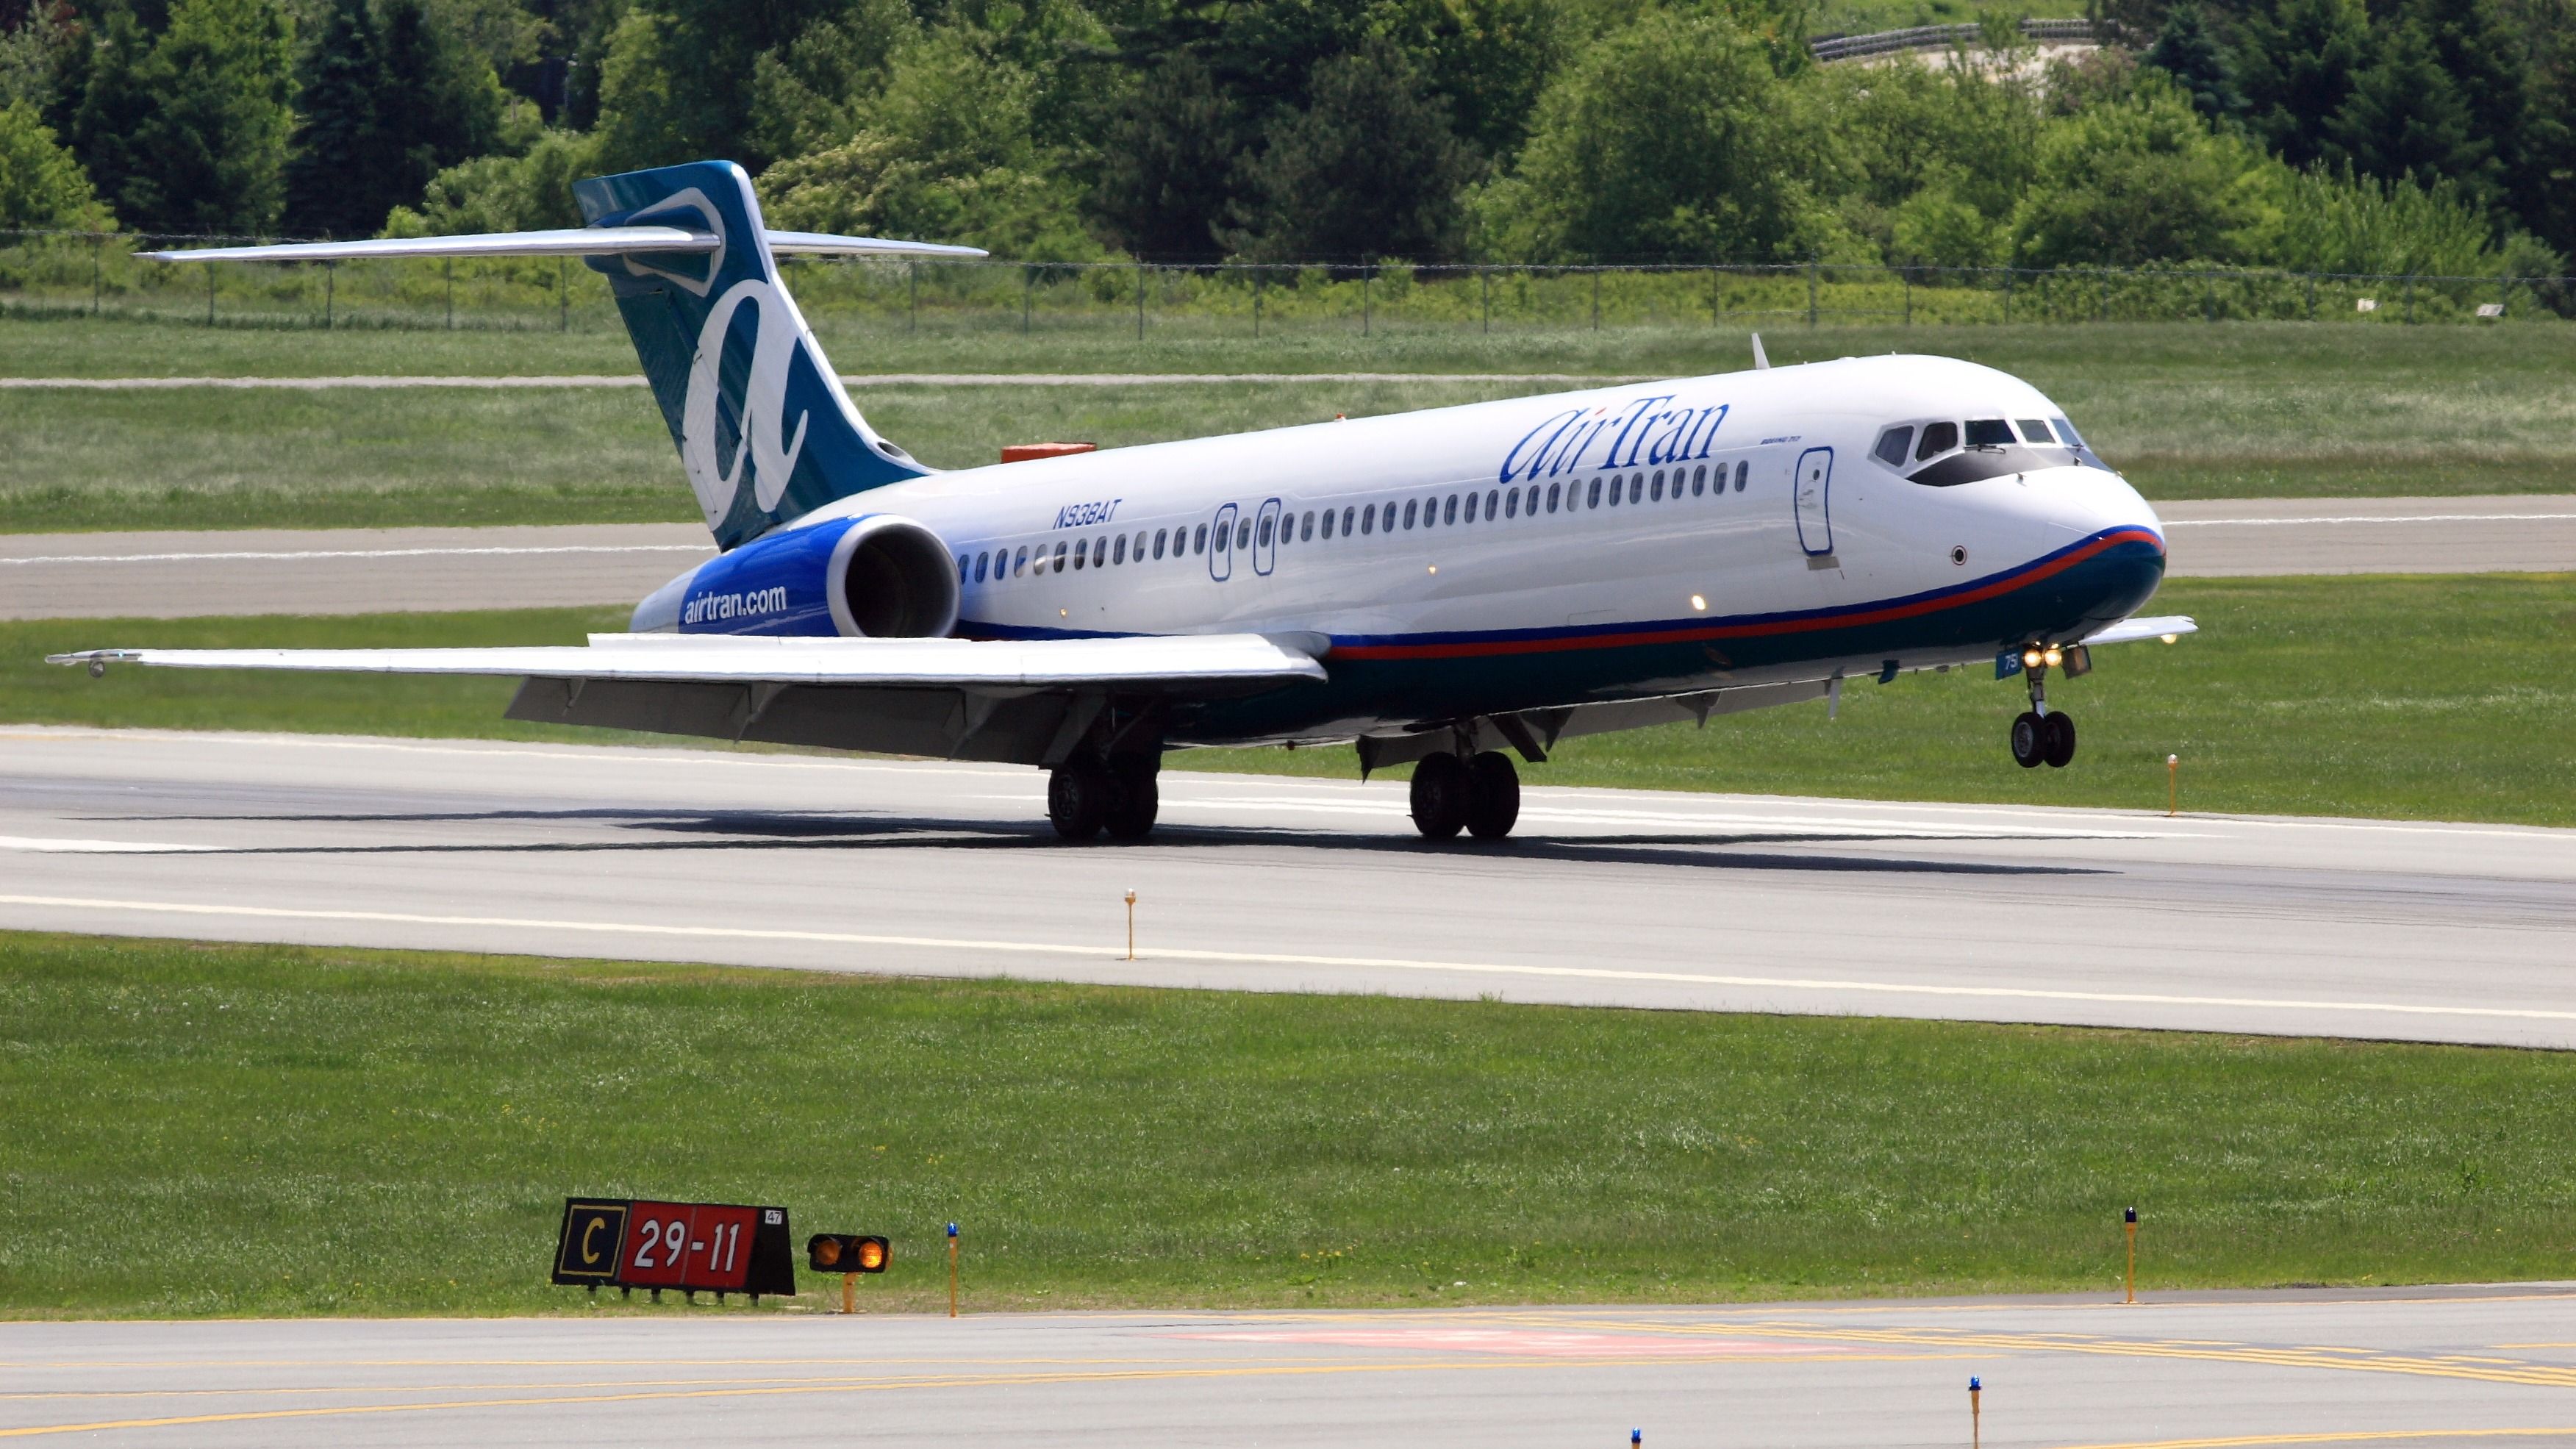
<point x="563" y="296"/>
<point x="1811" y="293"/>
<point x="1596" y="296"/>
<point x="451" y="294"/>
<point x="1028" y="291"/>
<point x="2312" y="296"/>
<point x="1256" y="299"/>
<point x="912" y="294"/>
<point x="1140" y="301"/>
<point x="2410" y="297"/>
<point x="1365" y="270"/>
<point x="1907" y="273"/>
<point x="95" y="243"/>
<point x="2209" y="297"/>
<point x="2102" y="297"/>
<point x="210" y="294"/>
<point x="2008" y="289"/>
<point x="330" y="292"/>
<point x="2504" y="293"/>
<point x="1487" y="273"/>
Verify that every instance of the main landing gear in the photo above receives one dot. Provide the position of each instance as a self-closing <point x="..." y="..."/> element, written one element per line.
<point x="1481" y="795"/>
<point x="1120" y="797"/>
<point x="2041" y="735"/>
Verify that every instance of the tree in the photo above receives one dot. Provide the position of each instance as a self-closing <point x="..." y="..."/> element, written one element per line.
<point x="1168" y="163"/>
<point x="439" y="104"/>
<point x="1369" y="169"/>
<point x="35" y="55"/>
<point x="1673" y="137"/>
<point x="41" y="185"/>
<point x="2139" y="180"/>
<point x="677" y="80"/>
<point x="805" y="94"/>
<point x="2406" y="118"/>
<point x="2187" y="52"/>
<point x="114" y="101"/>
<point x="211" y="154"/>
<point x="327" y="190"/>
<point x="2297" y="61"/>
<point x="532" y="192"/>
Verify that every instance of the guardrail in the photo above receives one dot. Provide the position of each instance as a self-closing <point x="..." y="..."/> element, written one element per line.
<point x="1945" y="37"/>
<point x="81" y="274"/>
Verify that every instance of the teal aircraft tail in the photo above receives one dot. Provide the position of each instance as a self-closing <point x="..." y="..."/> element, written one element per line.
<point x="764" y="429"/>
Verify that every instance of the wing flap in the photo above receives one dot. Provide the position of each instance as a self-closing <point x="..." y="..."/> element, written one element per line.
<point x="1179" y="659"/>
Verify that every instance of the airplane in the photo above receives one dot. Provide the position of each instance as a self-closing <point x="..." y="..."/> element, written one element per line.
<point x="1432" y="587"/>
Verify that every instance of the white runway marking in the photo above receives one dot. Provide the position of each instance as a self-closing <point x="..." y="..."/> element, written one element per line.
<point x="872" y="379"/>
<point x="302" y="554"/>
<point x="2371" y="518"/>
<point x="1042" y="948"/>
<point x="95" y="847"/>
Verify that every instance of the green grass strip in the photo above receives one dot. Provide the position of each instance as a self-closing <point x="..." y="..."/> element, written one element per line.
<point x="2423" y="697"/>
<point x="218" y="1130"/>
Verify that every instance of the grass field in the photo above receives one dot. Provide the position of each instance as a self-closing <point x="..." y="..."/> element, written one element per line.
<point x="2240" y="409"/>
<point x="2338" y="696"/>
<point x="233" y="1130"/>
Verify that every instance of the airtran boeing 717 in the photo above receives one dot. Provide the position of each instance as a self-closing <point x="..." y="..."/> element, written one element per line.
<point x="1445" y="588"/>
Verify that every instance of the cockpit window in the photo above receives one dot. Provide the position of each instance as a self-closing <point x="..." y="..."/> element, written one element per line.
<point x="2066" y="432"/>
<point x="1990" y="433"/>
<point x="2035" y="431"/>
<point x="1892" y="445"/>
<point x="1938" y="438"/>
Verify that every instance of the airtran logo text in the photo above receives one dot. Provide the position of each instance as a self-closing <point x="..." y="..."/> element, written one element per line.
<point x="716" y="608"/>
<point x="1614" y="435"/>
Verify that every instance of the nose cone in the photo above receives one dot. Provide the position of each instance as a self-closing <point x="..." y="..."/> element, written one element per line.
<point x="2107" y="544"/>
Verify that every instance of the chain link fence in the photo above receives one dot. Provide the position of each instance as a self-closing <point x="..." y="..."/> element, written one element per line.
<point x="82" y="274"/>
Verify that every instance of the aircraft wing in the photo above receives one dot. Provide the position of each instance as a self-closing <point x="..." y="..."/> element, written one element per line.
<point x="1020" y="702"/>
<point x="2156" y="627"/>
<point x="1181" y="659"/>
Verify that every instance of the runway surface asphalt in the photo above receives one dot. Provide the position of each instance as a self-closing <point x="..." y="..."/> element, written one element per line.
<point x="2303" y="926"/>
<point x="349" y="571"/>
<point x="2429" y="1366"/>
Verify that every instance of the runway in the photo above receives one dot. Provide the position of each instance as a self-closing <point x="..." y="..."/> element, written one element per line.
<point x="2187" y="1372"/>
<point x="350" y="571"/>
<point x="1637" y="898"/>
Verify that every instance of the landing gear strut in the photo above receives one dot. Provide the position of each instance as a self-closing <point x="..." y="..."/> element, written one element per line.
<point x="1481" y="795"/>
<point x="2041" y="735"/>
<point x="1120" y="796"/>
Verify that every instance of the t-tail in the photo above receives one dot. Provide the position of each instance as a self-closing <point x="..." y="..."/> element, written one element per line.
<point x="764" y="428"/>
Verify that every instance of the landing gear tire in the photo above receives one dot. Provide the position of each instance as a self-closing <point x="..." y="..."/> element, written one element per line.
<point x="1134" y="798"/>
<point x="1078" y="799"/>
<point x="2057" y="740"/>
<point x="1493" y="796"/>
<point x="1441" y="791"/>
<point x="2029" y="739"/>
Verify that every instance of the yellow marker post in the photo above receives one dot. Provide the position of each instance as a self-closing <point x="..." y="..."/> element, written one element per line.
<point x="1131" y="925"/>
<point x="2130" y="1223"/>
<point x="2173" y="784"/>
<point x="1976" y="1430"/>
<point x="849" y="1293"/>
<point x="952" y="1270"/>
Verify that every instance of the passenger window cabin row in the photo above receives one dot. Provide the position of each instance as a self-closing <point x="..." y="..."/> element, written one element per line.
<point x="1360" y="519"/>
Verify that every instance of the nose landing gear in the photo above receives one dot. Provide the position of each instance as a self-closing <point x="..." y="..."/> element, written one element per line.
<point x="2041" y="735"/>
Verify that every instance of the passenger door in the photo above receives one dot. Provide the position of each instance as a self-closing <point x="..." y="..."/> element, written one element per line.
<point x="1221" y="545"/>
<point x="1810" y="486"/>
<point x="1265" y="539"/>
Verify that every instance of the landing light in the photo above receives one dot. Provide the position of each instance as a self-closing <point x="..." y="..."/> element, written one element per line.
<point x="1435" y="568"/>
<point x="2032" y="659"/>
<point x="1698" y="603"/>
<point x="2169" y="638"/>
<point x="2052" y="656"/>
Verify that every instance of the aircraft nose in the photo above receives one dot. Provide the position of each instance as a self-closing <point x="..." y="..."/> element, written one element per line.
<point x="2108" y="541"/>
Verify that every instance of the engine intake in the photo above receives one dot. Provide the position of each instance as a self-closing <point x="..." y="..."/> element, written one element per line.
<point x="891" y="578"/>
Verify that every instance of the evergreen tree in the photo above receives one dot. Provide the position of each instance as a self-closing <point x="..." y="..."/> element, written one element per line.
<point x="114" y="101"/>
<point x="1167" y="164"/>
<point x="2484" y="58"/>
<point x="438" y="104"/>
<point x="211" y="154"/>
<point x="2405" y="118"/>
<point x="1369" y="169"/>
<point x="2187" y="51"/>
<point x="329" y="191"/>
<point x="2297" y="62"/>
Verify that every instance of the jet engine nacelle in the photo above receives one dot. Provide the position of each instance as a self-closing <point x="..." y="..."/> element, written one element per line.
<point x="878" y="576"/>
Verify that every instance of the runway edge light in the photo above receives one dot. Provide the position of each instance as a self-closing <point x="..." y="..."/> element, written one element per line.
<point x="1976" y="1430"/>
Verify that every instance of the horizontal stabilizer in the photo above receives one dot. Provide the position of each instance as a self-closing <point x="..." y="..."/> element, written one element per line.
<point x="1174" y="659"/>
<point x="580" y="241"/>
<point x="2132" y="629"/>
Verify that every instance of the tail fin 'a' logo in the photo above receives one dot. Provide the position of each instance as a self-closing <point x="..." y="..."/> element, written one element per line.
<point x="741" y="381"/>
